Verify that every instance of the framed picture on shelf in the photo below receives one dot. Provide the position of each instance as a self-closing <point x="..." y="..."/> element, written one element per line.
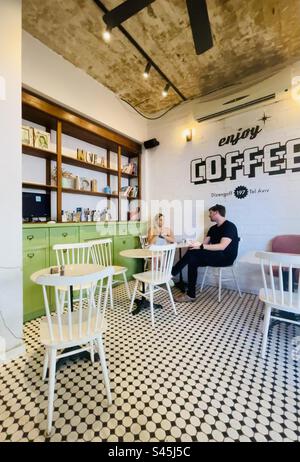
<point x="81" y="155"/>
<point x="41" y="139"/>
<point x="90" y="157"/>
<point x="27" y="135"/>
<point x="85" y="184"/>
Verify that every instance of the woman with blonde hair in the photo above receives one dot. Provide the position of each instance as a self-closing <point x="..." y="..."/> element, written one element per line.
<point x="159" y="234"/>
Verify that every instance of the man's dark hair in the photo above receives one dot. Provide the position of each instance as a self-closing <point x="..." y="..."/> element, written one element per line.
<point x="219" y="208"/>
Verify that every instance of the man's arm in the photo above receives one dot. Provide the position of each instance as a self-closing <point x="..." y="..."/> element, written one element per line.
<point x="225" y="241"/>
<point x="197" y="244"/>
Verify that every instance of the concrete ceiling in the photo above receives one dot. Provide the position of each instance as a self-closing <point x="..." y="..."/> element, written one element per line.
<point x="250" y="38"/>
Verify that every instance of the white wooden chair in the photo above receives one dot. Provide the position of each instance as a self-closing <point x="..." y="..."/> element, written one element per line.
<point x="101" y="253"/>
<point x="220" y="272"/>
<point x="144" y="245"/>
<point x="162" y="257"/>
<point x="273" y="294"/>
<point x="66" y="328"/>
<point x="72" y="254"/>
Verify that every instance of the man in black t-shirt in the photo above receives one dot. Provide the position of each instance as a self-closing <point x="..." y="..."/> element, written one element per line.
<point x="219" y="248"/>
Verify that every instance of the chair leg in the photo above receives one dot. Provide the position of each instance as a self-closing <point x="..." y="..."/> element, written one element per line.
<point x="220" y="284"/>
<point x="151" y="303"/>
<point x="104" y="369"/>
<point x="203" y="279"/>
<point x="92" y="352"/>
<point x="111" y="295"/>
<point x="236" y="281"/>
<point x="127" y="286"/>
<point x="52" y="367"/>
<point x="46" y="364"/>
<point x="267" y="316"/>
<point x="133" y="296"/>
<point x="171" y="297"/>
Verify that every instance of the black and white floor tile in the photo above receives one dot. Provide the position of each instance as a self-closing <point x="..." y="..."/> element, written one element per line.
<point x="197" y="376"/>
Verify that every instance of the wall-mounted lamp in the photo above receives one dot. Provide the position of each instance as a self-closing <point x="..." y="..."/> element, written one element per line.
<point x="296" y="88"/>
<point x="146" y="71"/>
<point x="188" y="134"/>
<point x="107" y="34"/>
<point x="165" y="90"/>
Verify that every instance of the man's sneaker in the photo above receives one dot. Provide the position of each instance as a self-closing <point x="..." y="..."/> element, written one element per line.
<point x="171" y="283"/>
<point x="184" y="298"/>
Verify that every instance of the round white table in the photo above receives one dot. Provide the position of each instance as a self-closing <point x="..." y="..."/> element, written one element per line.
<point x="69" y="272"/>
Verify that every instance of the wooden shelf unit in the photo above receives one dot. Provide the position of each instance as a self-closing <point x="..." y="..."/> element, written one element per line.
<point x="52" y="116"/>
<point x="47" y="187"/>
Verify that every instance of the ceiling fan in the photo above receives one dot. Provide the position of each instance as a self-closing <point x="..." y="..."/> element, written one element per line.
<point x="198" y="14"/>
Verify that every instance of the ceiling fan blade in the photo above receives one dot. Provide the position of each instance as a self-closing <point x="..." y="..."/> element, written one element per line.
<point x="124" y="11"/>
<point x="200" y="25"/>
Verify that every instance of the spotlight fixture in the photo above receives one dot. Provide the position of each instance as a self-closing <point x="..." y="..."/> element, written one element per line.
<point x="165" y="90"/>
<point x="106" y="34"/>
<point x="147" y="70"/>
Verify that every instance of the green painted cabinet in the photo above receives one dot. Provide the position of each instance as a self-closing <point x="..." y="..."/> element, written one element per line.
<point x="38" y="253"/>
<point x="33" y="301"/>
<point x="134" y="265"/>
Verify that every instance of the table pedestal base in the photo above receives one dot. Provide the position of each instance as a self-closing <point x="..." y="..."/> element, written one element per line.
<point x="143" y="303"/>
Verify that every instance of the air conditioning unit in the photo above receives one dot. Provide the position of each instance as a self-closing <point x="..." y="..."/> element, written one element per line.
<point x="271" y="90"/>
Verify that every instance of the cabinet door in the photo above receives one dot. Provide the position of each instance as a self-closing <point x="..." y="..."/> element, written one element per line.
<point x="123" y="243"/>
<point x="33" y="300"/>
<point x="35" y="238"/>
<point x="89" y="233"/>
<point x="62" y="235"/>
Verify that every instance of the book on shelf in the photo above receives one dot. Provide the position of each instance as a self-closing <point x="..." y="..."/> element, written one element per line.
<point x="130" y="169"/>
<point x="129" y="191"/>
<point x="133" y="192"/>
<point x="125" y="191"/>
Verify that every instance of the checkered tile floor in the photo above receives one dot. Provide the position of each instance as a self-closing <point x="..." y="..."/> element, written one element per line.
<point x="197" y="376"/>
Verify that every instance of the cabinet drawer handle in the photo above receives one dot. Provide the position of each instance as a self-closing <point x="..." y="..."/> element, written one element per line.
<point x="30" y="236"/>
<point x="30" y="255"/>
<point x="64" y="234"/>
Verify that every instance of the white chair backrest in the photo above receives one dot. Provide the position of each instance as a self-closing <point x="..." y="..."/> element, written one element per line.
<point x="68" y="326"/>
<point x="101" y="251"/>
<point x="162" y="261"/>
<point x="143" y="241"/>
<point x="72" y="254"/>
<point x="273" y="264"/>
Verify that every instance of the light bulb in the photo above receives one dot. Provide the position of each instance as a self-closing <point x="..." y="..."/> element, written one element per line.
<point x="146" y="71"/>
<point x="106" y="35"/>
<point x="165" y="90"/>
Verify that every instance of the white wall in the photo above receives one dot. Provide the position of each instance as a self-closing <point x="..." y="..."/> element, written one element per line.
<point x="10" y="178"/>
<point x="259" y="216"/>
